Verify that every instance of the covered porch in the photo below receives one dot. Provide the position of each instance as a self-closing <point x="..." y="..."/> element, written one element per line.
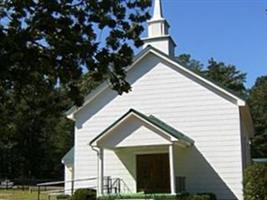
<point x="146" y="147"/>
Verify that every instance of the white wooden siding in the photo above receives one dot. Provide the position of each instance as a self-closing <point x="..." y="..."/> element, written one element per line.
<point x="131" y="133"/>
<point x="121" y="165"/>
<point x="68" y="177"/>
<point x="211" y="121"/>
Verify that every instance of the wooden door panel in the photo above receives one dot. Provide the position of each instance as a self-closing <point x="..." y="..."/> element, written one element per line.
<point x="153" y="175"/>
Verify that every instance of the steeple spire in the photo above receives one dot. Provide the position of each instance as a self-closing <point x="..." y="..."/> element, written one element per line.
<point x="157" y="14"/>
<point x="158" y="31"/>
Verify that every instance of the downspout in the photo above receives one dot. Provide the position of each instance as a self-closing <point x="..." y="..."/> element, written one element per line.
<point x="94" y="148"/>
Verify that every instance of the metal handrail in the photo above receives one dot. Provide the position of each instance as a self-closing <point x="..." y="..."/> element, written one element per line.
<point x="116" y="183"/>
<point x="113" y="185"/>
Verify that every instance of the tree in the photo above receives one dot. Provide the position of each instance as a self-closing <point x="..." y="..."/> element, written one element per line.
<point x="52" y="41"/>
<point x="258" y="105"/>
<point x="255" y="182"/>
<point x="187" y="61"/>
<point x="36" y="134"/>
<point x="227" y="76"/>
<point x="44" y="48"/>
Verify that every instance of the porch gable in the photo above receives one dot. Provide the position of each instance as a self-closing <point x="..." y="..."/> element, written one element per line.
<point x="136" y="129"/>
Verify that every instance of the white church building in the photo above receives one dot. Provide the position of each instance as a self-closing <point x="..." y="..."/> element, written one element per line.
<point x="174" y="132"/>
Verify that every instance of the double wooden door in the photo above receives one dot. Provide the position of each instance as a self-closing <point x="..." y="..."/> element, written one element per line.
<point x="153" y="173"/>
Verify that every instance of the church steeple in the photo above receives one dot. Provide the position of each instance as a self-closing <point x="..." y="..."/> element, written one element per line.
<point x="158" y="31"/>
<point x="157" y="14"/>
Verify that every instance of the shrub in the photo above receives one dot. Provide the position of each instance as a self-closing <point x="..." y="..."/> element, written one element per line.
<point x="211" y="196"/>
<point x="84" y="194"/>
<point x="182" y="196"/>
<point x="255" y="182"/>
<point x="63" y="197"/>
<point x="200" y="197"/>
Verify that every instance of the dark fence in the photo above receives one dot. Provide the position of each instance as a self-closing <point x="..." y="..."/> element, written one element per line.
<point x="49" y="190"/>
<point x="23" y="184"/>
<point x="56" y="188"/>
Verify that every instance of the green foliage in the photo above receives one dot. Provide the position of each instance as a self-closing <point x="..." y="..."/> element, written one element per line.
<point x="210" y="196"/>
<point x="179" y="196"/>
<point x="194" y="65"/>
<point x="35" y="131"/>
<point x="182" y="196"/>
<point x="258" y="105"/>
<point x="84" y="194"/>
<point x="63" y="197"/>
<point x="52" y="42"/>
<point x="44" y="49"/>
<point x="87" y="84"/>
<point x="255" y="182"/>
<point x="226" y="75"/>
<point x="200" y="197"/>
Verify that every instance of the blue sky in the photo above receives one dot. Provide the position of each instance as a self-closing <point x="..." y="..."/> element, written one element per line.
<point x="232" y="31"/>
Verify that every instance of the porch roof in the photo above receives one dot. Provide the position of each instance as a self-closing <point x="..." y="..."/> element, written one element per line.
<point x="68" y="158"/>
<point x="260" y="160"/>
<point x="165" y="128"/>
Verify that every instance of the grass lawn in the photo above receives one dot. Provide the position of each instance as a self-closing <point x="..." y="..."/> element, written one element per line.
<point x="22" y="195"/>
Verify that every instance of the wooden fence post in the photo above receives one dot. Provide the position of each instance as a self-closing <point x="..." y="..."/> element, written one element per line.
<point x="39" y="192"/>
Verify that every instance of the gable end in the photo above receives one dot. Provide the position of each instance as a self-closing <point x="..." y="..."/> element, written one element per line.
<point x="183" y="70"/>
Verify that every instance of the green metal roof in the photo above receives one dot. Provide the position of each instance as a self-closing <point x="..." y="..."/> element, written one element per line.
<point x="153" y="120"/>
<point x="68" y="158"/>
<point x="260" y="160"/>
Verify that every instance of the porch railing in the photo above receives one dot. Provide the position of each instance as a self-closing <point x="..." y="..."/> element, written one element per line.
<point x="112" y="185"/>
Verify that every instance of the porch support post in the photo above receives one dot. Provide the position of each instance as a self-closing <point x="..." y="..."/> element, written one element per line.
<point x="172" y="169"/>
<point x="100" y="171"/>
